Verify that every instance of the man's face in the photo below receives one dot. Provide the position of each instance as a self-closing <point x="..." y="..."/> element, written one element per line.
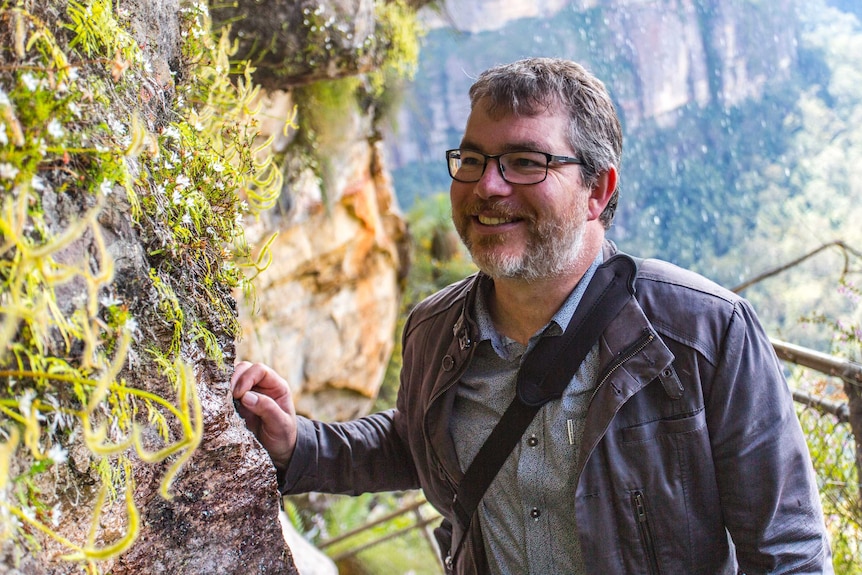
<point x="521" y="231"/>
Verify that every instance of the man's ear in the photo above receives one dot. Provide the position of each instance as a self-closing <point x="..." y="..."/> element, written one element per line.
<point x="601" y="192"/>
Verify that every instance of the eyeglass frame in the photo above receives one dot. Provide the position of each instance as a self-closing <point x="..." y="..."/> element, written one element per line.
<point x="549" y="158"/>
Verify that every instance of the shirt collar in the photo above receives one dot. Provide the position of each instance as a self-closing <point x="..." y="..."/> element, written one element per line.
<point x="558" y="324"/>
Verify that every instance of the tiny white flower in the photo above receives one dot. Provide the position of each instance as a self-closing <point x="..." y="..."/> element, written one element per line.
<point x="117" y="126"/>
<point x="131" y="325"/>
<point x="8" y="171"/>
<point x="106" y="187"/>
<point x="57" y="454"/>
<point x="4" y="139"/>
<point x="29" y="513"/>
<point x="55" y="129"/>
<point x="109" y="300"/>
<point x="4" y="98"/>
<point x="30" y="81"/>
<point x="183" y="181"/>
<point x="56" y="512"/>
<point x="25" y="402"/>
<point x="171" y="132"/>
<point x="187" y="219"/>
<point x="217" y="167"/>
<point x="38" y="183"/>
<point x="75" y="109"/>
<point x="177" y="197"/>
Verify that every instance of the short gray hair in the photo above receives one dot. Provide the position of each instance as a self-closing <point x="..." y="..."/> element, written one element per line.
<point x="535" y="85"/>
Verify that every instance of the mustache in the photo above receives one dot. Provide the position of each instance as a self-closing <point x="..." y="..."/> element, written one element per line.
<point x="501" y="208"/>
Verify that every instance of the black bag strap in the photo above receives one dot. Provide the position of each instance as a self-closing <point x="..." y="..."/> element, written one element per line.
<point x="546" y="371"/>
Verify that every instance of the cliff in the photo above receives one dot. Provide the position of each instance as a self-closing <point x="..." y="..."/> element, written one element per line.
<point x="657" y="58"/>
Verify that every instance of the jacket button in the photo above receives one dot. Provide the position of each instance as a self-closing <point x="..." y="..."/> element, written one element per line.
<point x="448" y="363"/>
<point x="535" y="513"/>
<point x="533" y="441"/>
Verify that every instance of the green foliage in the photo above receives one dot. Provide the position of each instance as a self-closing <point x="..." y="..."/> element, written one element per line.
<point x="835" y="451"/>
<point x="398" y="26"/>
<point x="383" y="554"/>
<point x="97" y="32"/>
<point x="72" y="129"/>
<point x="832" y="450"/>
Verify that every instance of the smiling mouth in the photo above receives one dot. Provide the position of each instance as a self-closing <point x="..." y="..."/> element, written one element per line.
<point x="493" y="221"/>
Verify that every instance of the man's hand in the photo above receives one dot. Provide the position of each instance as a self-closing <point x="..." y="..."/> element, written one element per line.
<point x="268" y="410"/>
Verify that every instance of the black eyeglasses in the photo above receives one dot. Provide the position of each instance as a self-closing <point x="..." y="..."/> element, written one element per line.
<point x="527" y="167"/>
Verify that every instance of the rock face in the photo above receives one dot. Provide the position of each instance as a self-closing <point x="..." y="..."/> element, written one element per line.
<point x="325" y="309"/>
<point x="222" y="517"/>
<point x="327" y="302"/>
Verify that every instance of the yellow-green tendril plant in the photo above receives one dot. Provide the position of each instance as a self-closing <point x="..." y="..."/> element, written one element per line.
<point x="78" y="127"/>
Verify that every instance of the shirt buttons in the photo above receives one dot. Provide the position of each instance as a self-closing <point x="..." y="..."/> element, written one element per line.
<point x="535" y="513"/>
<point x="533" y="441"/>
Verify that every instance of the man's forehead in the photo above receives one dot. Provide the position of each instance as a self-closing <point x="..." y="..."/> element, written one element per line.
<point x="512" y="132"/>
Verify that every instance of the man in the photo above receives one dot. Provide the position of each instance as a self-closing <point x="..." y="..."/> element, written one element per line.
<point x="674" y="448"/>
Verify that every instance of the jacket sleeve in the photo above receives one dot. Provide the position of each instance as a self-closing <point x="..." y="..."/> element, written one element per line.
<point x="353" y="457"/>
<point x="768" y="492"/>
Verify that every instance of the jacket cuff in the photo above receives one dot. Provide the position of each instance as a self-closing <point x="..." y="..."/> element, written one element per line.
<point x="304" y="453"/>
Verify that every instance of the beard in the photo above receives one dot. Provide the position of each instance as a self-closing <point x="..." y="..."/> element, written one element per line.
<point x="552" y="248"/>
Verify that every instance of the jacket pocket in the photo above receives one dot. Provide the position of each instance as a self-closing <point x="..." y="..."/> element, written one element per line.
<point x="669" y="426"/>
<point x="642" y="519"/>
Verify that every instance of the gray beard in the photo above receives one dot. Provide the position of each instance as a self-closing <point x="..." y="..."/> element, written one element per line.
<point x="552" y="250"/>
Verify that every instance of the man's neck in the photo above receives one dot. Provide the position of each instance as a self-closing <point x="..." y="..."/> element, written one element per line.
<point x="520" y="308"/>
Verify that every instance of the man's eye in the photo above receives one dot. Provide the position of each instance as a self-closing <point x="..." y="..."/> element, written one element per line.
<point x="526" y="161"/>
<point x="471" y="160"/>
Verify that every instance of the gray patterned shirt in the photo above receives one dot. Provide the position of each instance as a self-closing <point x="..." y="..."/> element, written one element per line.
<point x="528" y="513"/>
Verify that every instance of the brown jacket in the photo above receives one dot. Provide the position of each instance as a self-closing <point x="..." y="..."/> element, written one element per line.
<point x="693" y="460"/>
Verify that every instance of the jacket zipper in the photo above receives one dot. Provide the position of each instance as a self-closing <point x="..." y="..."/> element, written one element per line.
<point x="645" y="531"/>
<point x="626" y="355"/>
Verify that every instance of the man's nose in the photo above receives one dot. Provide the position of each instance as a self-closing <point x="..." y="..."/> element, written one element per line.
<point x="492" y="182"/>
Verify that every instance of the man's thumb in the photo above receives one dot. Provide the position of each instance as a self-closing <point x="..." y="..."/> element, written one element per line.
<point x="250" y="399"/>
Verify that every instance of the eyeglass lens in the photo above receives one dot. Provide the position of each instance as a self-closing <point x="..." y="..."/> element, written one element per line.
<point x="515" y="167"/>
